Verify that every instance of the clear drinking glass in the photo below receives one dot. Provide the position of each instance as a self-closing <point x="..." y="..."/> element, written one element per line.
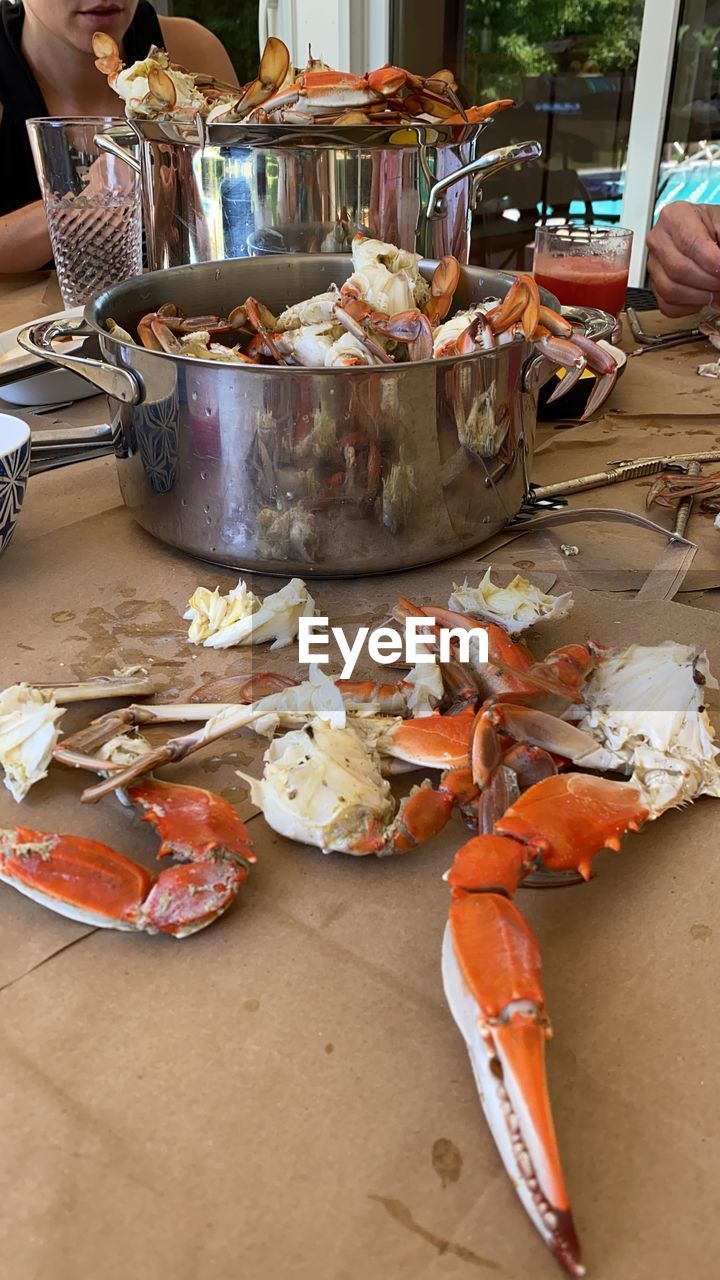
<point x="584" y="266"/>
<point x="92" y="202"/>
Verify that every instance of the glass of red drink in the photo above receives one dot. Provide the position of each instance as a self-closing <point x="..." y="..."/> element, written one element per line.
<point x="584" y="266"/>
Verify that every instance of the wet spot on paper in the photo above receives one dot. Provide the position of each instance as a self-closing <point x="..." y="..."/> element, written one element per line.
<point x="700" y="932"/>
<point x="403" y="1216"/>
<point x="446" y="1160"/>
<point x="252" y="1006"/>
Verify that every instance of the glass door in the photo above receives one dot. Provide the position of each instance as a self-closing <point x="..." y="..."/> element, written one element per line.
<point x="690" y="155"/>
<point x="571" y="70"/>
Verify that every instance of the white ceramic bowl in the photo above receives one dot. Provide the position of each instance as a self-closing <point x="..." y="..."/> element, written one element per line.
<point x="49" y="387"/>
<point x="14" y="469"/>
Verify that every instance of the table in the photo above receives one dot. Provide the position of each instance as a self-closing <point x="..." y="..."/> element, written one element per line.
<point x="285" y="1095"/>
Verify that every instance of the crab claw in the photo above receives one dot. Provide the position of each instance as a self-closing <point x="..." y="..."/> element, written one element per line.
<point x="194" y="824"/>
<point x="95" y="885"/>
<point x="505" y="1037"/>
<point x="566" y="820"/>
<point x="107" y="53"/>
<point x="443" y="285"/>
<point x="491" y="974"/>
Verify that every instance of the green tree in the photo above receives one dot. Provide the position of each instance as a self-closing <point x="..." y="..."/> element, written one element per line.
<point x="509" y="39"/>
<point x="234" y="22"/>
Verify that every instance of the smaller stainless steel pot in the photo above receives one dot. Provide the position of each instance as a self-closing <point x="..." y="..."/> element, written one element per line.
<point x="327" y="472"/>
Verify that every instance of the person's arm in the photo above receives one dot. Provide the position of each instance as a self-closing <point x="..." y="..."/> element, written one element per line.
<point x="684" y="257"/>
<point x="24" y="240"/>
<point x="194" y="47"/>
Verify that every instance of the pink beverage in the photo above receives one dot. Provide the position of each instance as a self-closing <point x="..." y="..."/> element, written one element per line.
<point x="588" y="281"/>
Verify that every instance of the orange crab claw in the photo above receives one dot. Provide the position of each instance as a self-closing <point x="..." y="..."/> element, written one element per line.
<point x="188" y="897"/>
<point x="443" y="285"/>
<point x="476" y="115"/>
<point x="569" y="818"/>
<point x="492" y="979"/>
<point x="387" y="80"/>
<point x="194" y="824"/>
<point x="95" y="885"/>
<point x="434" y="741"/>
<point x="82" y="879"/>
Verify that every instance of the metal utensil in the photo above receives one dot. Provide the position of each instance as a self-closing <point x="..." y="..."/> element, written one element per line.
<point x="598" y="479"/>
<point x="666" y="576"/>
<point x="654" y="340"/>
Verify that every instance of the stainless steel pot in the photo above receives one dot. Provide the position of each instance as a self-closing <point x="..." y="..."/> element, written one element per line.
<point x="325" y="472"/>
<point x="210" y="197"/>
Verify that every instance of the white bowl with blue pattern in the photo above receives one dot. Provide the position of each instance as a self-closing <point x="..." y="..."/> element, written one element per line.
<point x="14" y="469"/>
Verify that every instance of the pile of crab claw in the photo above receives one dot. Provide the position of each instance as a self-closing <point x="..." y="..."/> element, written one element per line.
<point x="156" y="88"/>
<point x="386" y="312"/>
<point x="500" y="738"/>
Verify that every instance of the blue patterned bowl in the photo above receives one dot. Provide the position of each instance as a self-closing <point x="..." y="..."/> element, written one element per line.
<point x="14" y="468"/>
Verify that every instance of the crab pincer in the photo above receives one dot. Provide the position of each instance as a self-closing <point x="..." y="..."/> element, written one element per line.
<point x="94" y="884"/>
<point x="492" y="975"/>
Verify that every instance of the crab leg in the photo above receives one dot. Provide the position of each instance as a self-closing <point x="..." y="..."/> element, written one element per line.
<point x="121" y="686"/>
<point x="491" y="973"/>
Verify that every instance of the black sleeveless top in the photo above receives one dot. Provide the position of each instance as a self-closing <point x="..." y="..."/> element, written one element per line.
<point x="22" y="100"/>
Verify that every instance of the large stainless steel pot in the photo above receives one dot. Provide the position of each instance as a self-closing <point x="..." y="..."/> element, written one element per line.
<point x="311" y="471"/>
<point x="211" y="197"/>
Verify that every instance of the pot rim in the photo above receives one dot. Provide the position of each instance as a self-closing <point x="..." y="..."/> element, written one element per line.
<point x="426" y="266"/>
<point x="352" y="136"/>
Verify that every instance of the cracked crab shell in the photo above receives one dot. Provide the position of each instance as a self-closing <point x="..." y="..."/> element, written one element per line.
<point x="321" y="786"/>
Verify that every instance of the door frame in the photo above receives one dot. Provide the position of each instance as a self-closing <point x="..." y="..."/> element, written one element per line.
<point x="658" y="44"/>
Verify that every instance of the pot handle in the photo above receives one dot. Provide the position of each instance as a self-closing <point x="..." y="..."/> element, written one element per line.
<point x="121" y="384"/>
<point x="484" y="167"/>
<point x="64" y="446"/>
<point x="108" y="142"/>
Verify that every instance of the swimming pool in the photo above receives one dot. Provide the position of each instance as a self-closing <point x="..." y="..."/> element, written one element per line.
<point x="697" y="183"/>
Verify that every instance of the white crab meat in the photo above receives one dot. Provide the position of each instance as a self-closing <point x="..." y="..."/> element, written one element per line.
<point x="387" y="277"/>
<point x="325" y="343"/>
<point x="384" y="291"/>
<point x="368" y="252"/>
<point x="515" y="608"/>
<point x="316" y="310"/>
<point x="646" y="705"/>
<point x="447" y="334"/>
<point x="124" y="748"/>
<point x="132" y="85"/>
<point x="322" y="786"/>
<point x="427" y="688"/>
<point x="348" y="350"/>
<point x="276" y="620"/>
<point x="28" y="733"/>
<point x="210" y="613"/>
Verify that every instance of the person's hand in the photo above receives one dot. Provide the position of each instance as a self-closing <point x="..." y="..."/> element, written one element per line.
<point x="684" y="257"/>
